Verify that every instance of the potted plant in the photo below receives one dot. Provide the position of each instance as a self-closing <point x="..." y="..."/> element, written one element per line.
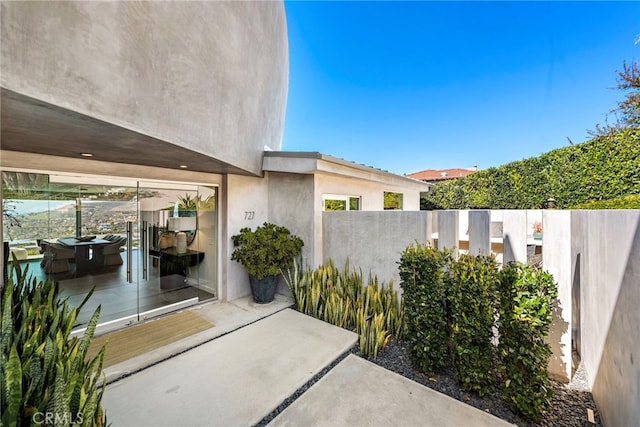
<point x="537" y="230"/>
<point x="265" y="253"/>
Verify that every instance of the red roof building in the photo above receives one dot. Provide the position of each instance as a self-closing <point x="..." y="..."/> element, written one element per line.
<point x="436" y="175"/>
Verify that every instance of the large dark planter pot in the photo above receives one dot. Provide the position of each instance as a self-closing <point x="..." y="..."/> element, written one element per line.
<point x="264" y="290"/>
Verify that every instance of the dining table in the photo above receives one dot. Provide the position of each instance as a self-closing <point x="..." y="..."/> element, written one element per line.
<point x="89" y="252"/>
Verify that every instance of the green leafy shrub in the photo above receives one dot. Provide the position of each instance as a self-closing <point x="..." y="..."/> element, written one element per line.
<point x="526" y="311"/>
<point x="622" y="202"/>
<point x="473" y="302"/>
<point x="339" y="297"/>
<point x="422" y="275"/>
<point x="463" y="303"/>
<point x="267" y="251"/>
<point x="42" y="371"/>
<point x="608" y="166"/>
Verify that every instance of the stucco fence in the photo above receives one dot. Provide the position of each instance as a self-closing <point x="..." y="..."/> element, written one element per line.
<point x="594" y="257"/>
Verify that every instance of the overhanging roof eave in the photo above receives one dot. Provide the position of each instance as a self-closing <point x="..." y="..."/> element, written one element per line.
<point x="315" y="162"/>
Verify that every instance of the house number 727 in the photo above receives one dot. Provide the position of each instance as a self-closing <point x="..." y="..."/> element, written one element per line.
<point x="248" y="215"/>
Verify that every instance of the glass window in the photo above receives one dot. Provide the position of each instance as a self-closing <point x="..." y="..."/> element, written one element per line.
<point x="392" y="201"/>
<point x="338" y="202"/>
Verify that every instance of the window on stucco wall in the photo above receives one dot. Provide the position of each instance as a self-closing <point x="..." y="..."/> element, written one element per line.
<point x="337" y="202"/>
<point x="392" y="201"/>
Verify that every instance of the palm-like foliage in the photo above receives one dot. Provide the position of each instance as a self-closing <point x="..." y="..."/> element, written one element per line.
<point x="339" y="297"/>
<point x="44" y="373"/>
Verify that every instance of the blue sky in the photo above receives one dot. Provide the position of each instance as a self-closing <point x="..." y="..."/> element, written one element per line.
<point x="407" y="86"/>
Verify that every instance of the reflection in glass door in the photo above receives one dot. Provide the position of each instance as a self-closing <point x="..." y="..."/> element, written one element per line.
<point x="179" y="259"/>
<point x="100" y="252"/>
<point x="170" y="258"/>
<point x="144" y="248"/>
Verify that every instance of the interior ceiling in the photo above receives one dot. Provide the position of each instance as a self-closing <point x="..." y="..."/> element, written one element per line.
<point x="32" y="126"/>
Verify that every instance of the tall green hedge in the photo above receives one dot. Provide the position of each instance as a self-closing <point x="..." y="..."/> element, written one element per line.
<point x="526" y="312"/>
<point x="453" y="309"/>
<point x="605" y="167"/>
<point x="473" y="305"/>
<point x="422" y="275"/>
<point x="622" y="202"/>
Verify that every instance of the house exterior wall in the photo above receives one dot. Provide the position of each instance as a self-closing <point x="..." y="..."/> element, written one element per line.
<point x="291" y="203"/>
<point x="294" y="200"/>
<point x="605" y="248"/>
<point x="170" y="70"/>
<point x="373" y="241"/>
<point x="246" y="202"/>
<point x="371" y="192"/>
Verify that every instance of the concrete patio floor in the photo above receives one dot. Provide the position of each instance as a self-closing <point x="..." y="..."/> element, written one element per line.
<point x="239" y="378"/>
<point x="225" y="316"/>
<point x="357" y="392"/>
<point x="234" y="380"/>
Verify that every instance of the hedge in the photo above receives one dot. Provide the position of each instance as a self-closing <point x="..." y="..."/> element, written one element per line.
<point x="489" y="324"/>
<point x="526" y="312"/>
<point x="425" y="305"/>
<point x="606" y="167"/>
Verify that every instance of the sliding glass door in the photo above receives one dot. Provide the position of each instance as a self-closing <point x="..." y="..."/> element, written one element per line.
<point x="173" y="222"/>
<point x="99" y="253"/>
<point x="145" y="248"/>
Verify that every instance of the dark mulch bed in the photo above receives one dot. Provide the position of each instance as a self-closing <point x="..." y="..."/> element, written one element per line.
<point x="568" y="407"/>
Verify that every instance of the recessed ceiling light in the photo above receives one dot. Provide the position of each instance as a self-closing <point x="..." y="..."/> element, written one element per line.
<point x="183" y="166"/>
<point x="86" y="154"/>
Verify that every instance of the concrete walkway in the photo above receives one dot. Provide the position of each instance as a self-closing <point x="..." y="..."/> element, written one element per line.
<point x="225" y="316"/>
<point x="360" y="393"/>
<point x="239" y="378"/>
<point x="234" y="380"/>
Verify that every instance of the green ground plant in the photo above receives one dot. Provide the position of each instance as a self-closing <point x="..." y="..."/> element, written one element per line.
<point x="43" y="373"/>
<point x="472" y="300"/>
<point x="489" y="324"/>
<point x="267" y="251"/>
<point x="422" y="275"/>
<point x="340" y="297"/>
<point x="526" y="311"/>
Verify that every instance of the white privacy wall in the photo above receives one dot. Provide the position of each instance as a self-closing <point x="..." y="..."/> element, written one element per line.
<point x="373" y="241"/>
<point x="594" y="257"/>
<point x="606" y="268"/>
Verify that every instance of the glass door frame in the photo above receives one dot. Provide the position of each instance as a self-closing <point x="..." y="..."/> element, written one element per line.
<point x="144" y="242"/>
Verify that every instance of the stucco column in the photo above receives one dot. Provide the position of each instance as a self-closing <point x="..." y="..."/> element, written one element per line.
<point x="479" y="232"/>
<point x="556" y="259"/>
<point x="448" y="231"/>
<point x="514" y="234"/>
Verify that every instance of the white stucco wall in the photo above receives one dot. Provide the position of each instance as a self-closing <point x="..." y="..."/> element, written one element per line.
<point x="245" y="205"/>
<point x="606" y="268"/>
<point x="206" y="75"/>
<point x="291" y="204"/>
<point x="373" y="241"/>
<point x="556" y="259"/>
<point x="371" y="193"/>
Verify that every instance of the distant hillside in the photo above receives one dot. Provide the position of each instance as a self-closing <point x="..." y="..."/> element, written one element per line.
<point x="606" y="167"/>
